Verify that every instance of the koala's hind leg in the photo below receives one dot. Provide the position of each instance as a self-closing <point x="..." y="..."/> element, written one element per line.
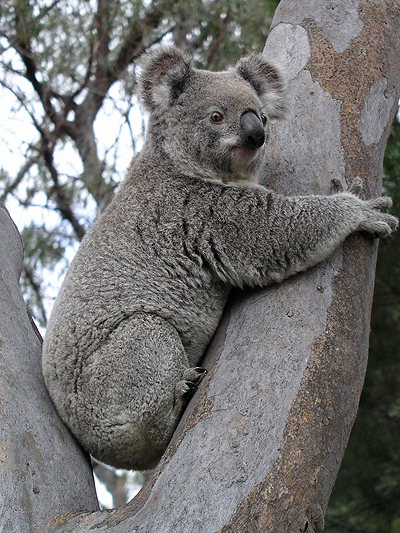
<point x="133" y="391"/>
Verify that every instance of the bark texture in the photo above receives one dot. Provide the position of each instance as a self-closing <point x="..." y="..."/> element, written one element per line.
<point x="259" y="447"/>
<point x="43" y="472"/>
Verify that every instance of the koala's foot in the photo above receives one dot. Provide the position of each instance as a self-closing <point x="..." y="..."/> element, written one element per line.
<point x="190" y="381"/>
<point x="194" y="375"/>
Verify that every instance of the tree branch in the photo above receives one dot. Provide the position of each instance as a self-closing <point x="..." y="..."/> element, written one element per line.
<point x="22" y="45"/>
<point x="29" y="274"/>
<point x="24" y="104"/>
<point x="18" y="179"/>
<point x="45" y="10"/>
<point x="57" y="192"/>
<point x="106" y="73"/>
<point x="43" y="471"/>
<point x="213" y="50"/>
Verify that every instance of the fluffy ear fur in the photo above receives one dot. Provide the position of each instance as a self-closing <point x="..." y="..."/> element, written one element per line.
<point x="164" y="77"/>
<point x="267" y="81"/>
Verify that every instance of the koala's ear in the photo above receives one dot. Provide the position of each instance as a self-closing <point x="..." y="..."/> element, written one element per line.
<point x="164" y="77"/>
<point x="268" y="82"/>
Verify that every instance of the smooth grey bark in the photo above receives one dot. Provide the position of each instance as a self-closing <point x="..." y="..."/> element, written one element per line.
<point x="259" y="447"/>
<point x="43" y="471"/>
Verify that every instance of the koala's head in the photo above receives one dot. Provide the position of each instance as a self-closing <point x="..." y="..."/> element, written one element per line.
<point x="211" y="124"/>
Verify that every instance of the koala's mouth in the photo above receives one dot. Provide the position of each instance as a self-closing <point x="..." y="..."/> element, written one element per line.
<point x="245" y="155"/>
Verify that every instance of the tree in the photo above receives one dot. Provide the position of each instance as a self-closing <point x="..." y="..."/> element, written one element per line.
<point x="259" y="448"/>
<point x="367" y="490"/>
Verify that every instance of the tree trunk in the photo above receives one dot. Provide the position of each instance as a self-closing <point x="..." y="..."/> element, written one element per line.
<point x="259" y="447"/>
<point x="43" y="471"/>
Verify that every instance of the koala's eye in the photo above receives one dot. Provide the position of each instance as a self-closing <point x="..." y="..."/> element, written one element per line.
<point x="263" y="119"/>
<point x="216" y="116"/>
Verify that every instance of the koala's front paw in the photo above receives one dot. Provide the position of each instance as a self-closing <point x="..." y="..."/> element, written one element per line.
<point x="375" y="222"/>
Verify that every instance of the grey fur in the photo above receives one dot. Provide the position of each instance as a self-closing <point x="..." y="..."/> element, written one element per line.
<point x="147" y="288"/>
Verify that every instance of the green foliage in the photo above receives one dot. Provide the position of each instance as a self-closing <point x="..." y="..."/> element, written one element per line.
<point x="367" y="493"/>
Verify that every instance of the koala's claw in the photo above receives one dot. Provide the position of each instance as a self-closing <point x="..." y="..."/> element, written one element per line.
<point x="356" y="186"/>
<point x="190" y="386"/>
<point x="194" y="375"/>
<point x="380" y="225"/>
<point x="374" y="221"/>
<point x="336" y="185"/>
<point x="188" y="389"/>
<point x="384" y="202"/>
<point x="190" y="381"/>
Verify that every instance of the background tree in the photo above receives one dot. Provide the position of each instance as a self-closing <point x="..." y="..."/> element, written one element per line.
<point x="85" y="193"/>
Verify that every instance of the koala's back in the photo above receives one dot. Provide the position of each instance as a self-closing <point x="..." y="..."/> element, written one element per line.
<point x="133" y="260"/>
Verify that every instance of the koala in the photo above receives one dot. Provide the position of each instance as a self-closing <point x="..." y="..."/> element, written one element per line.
<point x="147" y="287"/>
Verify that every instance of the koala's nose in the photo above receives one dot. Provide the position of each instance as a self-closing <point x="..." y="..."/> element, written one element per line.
<point x="253" y="135"/>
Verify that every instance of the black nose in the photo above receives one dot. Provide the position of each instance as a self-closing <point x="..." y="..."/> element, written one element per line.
<point x="253" y="135"/>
